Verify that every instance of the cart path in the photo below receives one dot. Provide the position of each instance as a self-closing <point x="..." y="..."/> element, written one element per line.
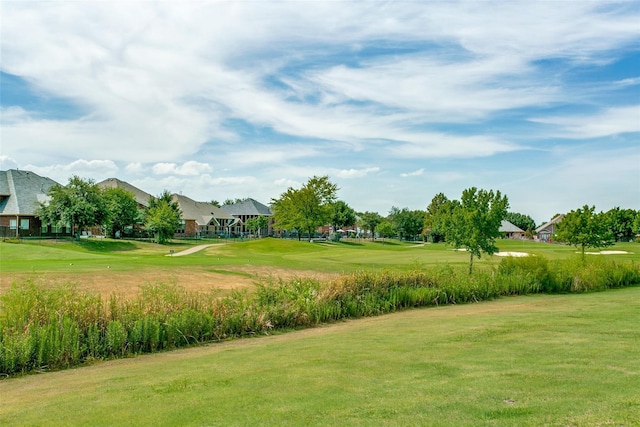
<point x="194" y="249"/>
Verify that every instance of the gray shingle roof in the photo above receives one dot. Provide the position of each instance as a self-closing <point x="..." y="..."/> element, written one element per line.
<point x="248" y="207"/>
<point x="555" y="220"/>
<point x="142" y="197"/>
<point x="20" y="191"/>
<point x="201" y="212"/>
<point x="507" y="227"/>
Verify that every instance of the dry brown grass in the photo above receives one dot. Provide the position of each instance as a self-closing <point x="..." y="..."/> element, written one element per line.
<point x="128" y="283"/>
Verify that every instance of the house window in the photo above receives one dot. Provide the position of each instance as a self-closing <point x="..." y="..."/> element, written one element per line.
<point x="24" y="224"/>
<point x="13" y="224"/>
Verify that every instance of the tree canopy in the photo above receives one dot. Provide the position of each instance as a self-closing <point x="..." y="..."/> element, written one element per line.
<point x="122" y="210"/>
<point x="80" y="204"/>
<point x="436" y="211"/>
<point x="522" y="221"/>
<point x="407" y="223"/>
<point x="257" y="223"/>
<point x="584" y="228"/>
<point x="621" y="223"/>
<point x="342" y="215"/>
<point x="163" y="217"/>
<point x="369" y="221"/>
<point x="473" y="223"/>
<point x="307" y="208"/>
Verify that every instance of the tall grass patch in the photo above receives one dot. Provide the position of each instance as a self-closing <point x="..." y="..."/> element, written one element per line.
<point x="45" y="328"/>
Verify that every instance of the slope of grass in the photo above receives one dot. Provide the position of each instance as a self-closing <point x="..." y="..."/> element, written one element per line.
<point x="526" y="361"/>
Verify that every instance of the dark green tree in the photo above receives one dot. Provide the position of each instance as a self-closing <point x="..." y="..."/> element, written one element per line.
<point x="474" y="222"/>
<point x="620" y="223"/>
<point x="407" y="223"/>
<point x="307" y="208"/>
<point x="163" y="218"/>
<point x="436" y="211"/>
<point x="122" y="210"/>
<point x="80" y="204"/>
<point x="369" y="221"/>
<point x="584" y="228"/>
<point x="522" y="221"/>
<point x="342" y="215"/>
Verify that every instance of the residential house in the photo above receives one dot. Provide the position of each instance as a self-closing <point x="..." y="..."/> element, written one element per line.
<point x="142" y="197"/>
<point x="547" y="232"/>
<point x="511" y="231"/>
<point x="21" y="193"/>
<point x="248" y="209"/>
<point x="202" y="219"/>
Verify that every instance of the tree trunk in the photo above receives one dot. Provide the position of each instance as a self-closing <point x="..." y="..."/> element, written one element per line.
<point x="470" y="262"/>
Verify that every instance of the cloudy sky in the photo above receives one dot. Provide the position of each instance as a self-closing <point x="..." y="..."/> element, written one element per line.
<point x="395" y="101"/>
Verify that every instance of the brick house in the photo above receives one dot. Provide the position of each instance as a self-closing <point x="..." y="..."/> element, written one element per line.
<point x="202" y="219"/>
<point x="21" y="193"/>
<point x="248" y="209"/>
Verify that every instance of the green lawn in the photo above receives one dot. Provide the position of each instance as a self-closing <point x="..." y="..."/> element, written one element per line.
<point x="96" y="255"/>
<point x="560" y="360"/>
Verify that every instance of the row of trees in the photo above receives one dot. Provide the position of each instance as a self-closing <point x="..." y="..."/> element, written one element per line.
<point x="82" y="204"/>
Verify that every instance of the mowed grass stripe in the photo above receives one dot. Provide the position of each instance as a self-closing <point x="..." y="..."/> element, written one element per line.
<point x="527" y="361"/>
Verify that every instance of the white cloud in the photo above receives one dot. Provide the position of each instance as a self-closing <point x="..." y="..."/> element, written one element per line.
<point x="190" y="168"/>
<point x="414" y="173"/>
<point x="7" y="162"/>
<point x="135" y="168"/>
<point x="611" y="121"/>
<point x="356" y="173"/>
<point x="98" y="169"/>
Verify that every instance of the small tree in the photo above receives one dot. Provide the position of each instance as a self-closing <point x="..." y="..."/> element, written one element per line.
<point x="163" y="217"/>
<point x="583" y="228"/>
<point x="385" y="229"/>
<point x="437" y="209"/>
<point x="620" y="223"/>
<point x="407" y="223"/>
<point x="369" y="221"/>
<point x="342" y="215"/>
<point x="80" y="204"/>
<point x="307" y="208"/>
<point x="122" y="210"/>
<point x="257" y="223"/>
<point x="474" y="222"/>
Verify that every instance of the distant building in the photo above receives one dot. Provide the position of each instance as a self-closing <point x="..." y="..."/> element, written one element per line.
<point x="202" y="219"/>
<point x="511" y="231"/>
<point x="248" y="209"/>
<point x="21" y="193"/>
<point x="142" y="197"/>
<point x="547" y="232"/>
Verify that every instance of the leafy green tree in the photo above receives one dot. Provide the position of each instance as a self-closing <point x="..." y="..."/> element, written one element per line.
<point x="407" y="223"/>
<point x="307" y="208"/>
<point x="620" y="223"/>
<point x="342" y="215"/>
<point x="215" y="203"/>
<point x="436" y="211"/>
<point x="522" y="221"/>
<point x="385" y="229"/>
<point x="257" y="223"/>
<point x="80" y="204"/>
<point x="474" y="222"/>
<point x="370" y="221"/>
<point x="163" y="218"/>
<point x="122" y="210"/>
<point x="584" y="228"/>
<point x="636" y="223"/>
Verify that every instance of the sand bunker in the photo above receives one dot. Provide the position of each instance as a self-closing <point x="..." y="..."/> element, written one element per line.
<point x="514" y="254"/>
<point x="606" y="253"/>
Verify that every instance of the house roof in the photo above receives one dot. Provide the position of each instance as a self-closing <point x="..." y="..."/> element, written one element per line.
<point x="142" y="197"/>
<point x="507" y="227"/>
<point x="555" y="220"/>
<point x="248" y="207"/>
<point x="22" y="191"/>
<point x="201" y="212"/>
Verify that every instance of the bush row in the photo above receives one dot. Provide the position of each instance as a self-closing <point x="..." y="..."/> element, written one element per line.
<point x="45" y="328"/>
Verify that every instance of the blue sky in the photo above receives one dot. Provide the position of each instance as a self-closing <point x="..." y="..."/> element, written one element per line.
<point x="395" y="101"/>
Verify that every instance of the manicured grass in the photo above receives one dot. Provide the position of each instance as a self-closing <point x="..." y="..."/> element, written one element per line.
<point x="529" y="361"/>
<point x="343" y="257"/>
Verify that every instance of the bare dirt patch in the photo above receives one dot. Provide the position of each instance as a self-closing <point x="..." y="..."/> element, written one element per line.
<point x="129" y="283"/>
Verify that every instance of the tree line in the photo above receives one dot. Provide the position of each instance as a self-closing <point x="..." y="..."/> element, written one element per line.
<point x="472" y="222"/>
